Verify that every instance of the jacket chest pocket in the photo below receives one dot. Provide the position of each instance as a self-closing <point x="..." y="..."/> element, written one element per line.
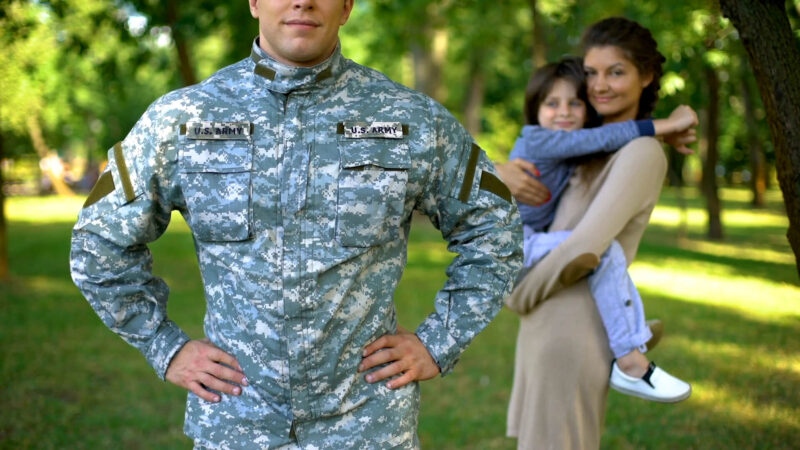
<point x="372" y="190"/>
<point x="215" y="177"/>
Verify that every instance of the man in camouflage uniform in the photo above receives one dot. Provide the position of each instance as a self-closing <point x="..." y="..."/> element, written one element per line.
<point x="297" y="171"/>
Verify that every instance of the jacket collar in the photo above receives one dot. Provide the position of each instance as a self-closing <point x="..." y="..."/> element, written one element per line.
<point x="284" y="78"/>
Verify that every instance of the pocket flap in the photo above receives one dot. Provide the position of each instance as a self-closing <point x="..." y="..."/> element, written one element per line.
<point x="383" y="153"/>
<point x="216" y="156"/>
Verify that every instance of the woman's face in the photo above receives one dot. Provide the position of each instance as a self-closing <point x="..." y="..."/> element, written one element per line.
<point x="613" y="83"/>
<point x="562" y="109"/>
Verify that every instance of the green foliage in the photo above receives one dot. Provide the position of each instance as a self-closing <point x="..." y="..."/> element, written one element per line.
<point x="88" y="68"/>
<point x="26" y="54"/>
<point x="73" y="66"/>
<point x="731" y="310"/>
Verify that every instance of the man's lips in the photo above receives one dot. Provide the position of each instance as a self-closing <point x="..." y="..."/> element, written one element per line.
<point x="301" y="23"/>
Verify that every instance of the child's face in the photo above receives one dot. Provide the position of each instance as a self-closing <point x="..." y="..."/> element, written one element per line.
<point x="562" y="109"/>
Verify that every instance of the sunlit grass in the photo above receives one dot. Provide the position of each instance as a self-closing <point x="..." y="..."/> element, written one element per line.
<point x="44" y="209"/>
<point x="720" y="400"/>
<point x="720" y="283"/>
<point x="731" y="309"/>
<point x="701" y="283"/>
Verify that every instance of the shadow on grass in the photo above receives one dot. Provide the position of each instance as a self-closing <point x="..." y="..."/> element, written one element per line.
<point x="658" y="249"/>
<point x="746" y="359"/>
<point x="742" y="376"/>
<point x="732" y="199"/>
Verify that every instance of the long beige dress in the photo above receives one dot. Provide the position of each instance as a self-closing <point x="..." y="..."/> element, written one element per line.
<point x="563" y="358"/>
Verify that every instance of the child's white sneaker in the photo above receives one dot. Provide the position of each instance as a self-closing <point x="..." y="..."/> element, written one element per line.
<point x="656" y="385"/>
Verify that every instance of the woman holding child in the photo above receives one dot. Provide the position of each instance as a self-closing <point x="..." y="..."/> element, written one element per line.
<point x="589" y="326"/>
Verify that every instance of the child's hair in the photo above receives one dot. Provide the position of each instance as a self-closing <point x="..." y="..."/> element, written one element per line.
<point x="570" y="69"/>
<point x="639" y="48"/>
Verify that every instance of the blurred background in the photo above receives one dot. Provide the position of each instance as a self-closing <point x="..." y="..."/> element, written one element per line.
<point x="75" y="75"/>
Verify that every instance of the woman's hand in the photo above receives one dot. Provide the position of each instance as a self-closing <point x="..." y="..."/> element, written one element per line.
<point x="683" y="117"/>
<point x="680" y="119"/>
<point x="518" y="174"/>
<point x="678" y="129"/>
<point x="681" y="140"/>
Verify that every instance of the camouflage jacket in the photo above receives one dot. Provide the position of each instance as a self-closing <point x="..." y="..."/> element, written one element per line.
<point x="298" y="185"/>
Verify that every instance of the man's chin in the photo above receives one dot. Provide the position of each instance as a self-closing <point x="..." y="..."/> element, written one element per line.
<point x="306" y="55"/>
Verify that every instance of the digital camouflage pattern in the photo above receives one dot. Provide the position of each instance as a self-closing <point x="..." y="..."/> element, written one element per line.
<point x="301" y="232"/>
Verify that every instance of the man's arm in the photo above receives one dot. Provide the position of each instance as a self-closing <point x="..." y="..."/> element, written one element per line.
<point x="474" y="211"/>
<point x="112" y="266"/>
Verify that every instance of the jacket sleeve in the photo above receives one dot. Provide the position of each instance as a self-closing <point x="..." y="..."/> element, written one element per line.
<point x="109" y="260"/>
<point x="475" y="213"/>
<point x="542" y="144"/>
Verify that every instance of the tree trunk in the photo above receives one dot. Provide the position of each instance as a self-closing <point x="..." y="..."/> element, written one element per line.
<point x="4" y="273"/>
<point x="474" y="103"/>
<point x="676" y="163"/>
<point x="50" y="163"/>
<point x="758" y="180"/>
<point x="181" y="45"/>
<point x="776" y="63"/>
<point x="712" y="156"/>
<point x="428" y="55"/>
<point x="539" y="56"/>
<point x="676" y="182"/>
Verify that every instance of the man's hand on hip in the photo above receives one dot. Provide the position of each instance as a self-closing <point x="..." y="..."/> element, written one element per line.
<point x="407" y="355"/>
<point x="200" y="365"/>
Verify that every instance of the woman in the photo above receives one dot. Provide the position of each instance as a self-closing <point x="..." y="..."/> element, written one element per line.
<point x="563" y="358"/>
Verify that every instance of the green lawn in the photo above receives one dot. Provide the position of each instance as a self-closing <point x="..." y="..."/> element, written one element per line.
<point x="731" y="309"/>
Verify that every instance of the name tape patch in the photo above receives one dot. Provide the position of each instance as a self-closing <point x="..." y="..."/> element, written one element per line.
<point x="361" y="130"/>
<point x="217" y="130"/>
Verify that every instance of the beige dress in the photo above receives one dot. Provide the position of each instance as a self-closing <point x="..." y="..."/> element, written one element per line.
<point x="563" y="358"/>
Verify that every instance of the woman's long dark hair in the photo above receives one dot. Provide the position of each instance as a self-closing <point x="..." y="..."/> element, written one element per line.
<point x="639" y="47"/>
<point x="570" y="69"/>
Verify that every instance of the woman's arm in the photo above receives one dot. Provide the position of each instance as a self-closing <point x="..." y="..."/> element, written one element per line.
<point x="518" y="175"/>
<point x="680" y="119"/>
<point x="615" y="205"/>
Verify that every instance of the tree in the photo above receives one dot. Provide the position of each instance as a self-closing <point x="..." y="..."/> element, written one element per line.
<point x="196" y="27"/>
<point x="4" y="273"/>
<point x="710" y="157"/>
<point x="539" y="56"/>
<point x="776" y="63"/>
<point x="181" y="44"/>
<point x="711" y="153"/>
<point x="758" y="163"/>
<point x="28" y="77"/>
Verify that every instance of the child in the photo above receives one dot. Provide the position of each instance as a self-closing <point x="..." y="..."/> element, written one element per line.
<point x="557" y="108"/>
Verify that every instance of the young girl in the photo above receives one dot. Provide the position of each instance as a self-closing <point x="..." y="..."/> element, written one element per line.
<point x="556" y="108"/>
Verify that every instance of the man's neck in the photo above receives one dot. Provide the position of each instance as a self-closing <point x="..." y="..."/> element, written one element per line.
<point x="291" y="63"/>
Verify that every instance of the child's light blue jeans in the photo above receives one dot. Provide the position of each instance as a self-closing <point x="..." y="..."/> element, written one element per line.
<point x="615" y="295"/>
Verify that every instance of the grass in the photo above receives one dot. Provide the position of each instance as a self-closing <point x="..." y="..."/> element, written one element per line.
<point x="732" y="311"/>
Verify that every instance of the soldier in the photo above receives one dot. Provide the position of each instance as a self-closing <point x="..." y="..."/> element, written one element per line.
<point x="297" y="171"/>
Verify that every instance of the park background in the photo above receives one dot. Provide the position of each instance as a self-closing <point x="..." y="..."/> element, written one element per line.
<point x="715" y="263"/>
